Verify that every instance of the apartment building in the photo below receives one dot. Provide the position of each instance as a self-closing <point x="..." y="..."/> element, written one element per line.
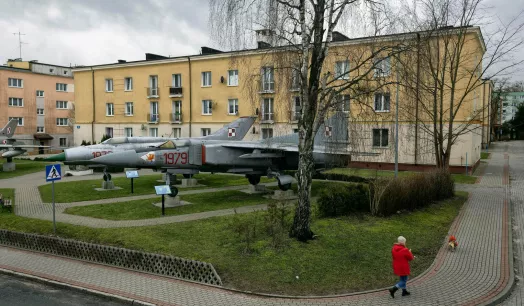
<point x="194" y="95"/>
<point x="510" y="103"/>
<point x="41" y="97"/>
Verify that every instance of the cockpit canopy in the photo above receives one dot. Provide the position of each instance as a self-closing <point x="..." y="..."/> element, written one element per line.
<point x="116" y="141"/>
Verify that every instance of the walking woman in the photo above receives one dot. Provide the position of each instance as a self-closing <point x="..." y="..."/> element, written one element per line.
<point x="401" y="258"/>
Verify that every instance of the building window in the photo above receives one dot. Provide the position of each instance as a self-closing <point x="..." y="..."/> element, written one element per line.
<point x="129" y="109"/>
<point x="295" y="79"/>
<point x="61" y="104"/>
<point x="61" y="121"/>
<point x="206" y="78"/>
<point x="177" y="132"/>
<point x="109" y="132"/>
<point x="232" y="78"/>
<point x="233" y="106"/>
<point x="40" y="129"/>
<point x="382" y="102"/>
<point x="110" y="110"/>
<point x="342" y="70"/>
<point x="128" y="132"/>
<point x="207" y="107"/>
<point x="17" y="102"/>
<point x="153" y="115"/>
<point x="267" y="133"/>
<point x="63" y="142"/>
<point x="19" y="83"/>
<point x="343" y="103"/>
<point x="39" y="93"/>
<point x="109" y="85"/>
<point x="39" y="111"/>
<point x="153" y="132"/>
<point x="205" y="131"/>
<point x="20" y="120"/>
<point x="176" y="109"/>
<point x="128" y="84"/>
<point x="297" y="109"/>
<point x="61" y="87"/>
<point x="380" y="138"/>
<point x="382" y="67"/>
<point x="177" y="80"/>
<point x="153" y="84"/>
<point x="267" y="109"/>
<point x="268" y="80"/>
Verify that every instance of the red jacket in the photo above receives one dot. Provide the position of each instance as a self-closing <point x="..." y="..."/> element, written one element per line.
<point x="401" y="258"/>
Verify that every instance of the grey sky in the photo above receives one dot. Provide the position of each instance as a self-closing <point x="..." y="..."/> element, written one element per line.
<point x="87" y="32"/>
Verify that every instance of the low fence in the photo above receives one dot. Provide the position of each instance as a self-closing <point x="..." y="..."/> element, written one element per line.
<point x="123" y="258"/>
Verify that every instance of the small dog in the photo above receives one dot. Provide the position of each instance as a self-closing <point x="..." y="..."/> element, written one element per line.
<point x="452" y="243"/>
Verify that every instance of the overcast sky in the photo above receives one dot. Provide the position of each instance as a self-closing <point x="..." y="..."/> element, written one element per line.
<point x="90" y="32"/>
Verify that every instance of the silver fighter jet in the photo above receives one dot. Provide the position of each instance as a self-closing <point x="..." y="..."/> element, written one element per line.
<point x="7" y="142"/>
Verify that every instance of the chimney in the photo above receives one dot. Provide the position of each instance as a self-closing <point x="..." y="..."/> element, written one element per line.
<point x="265" y="38"/>
<point x="121" y="61"/>
<point x="337" y="36"/>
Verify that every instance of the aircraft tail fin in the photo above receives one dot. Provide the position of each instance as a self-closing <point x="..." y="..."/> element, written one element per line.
<point x="9" y="128"/>
<point x="235" y="130"/>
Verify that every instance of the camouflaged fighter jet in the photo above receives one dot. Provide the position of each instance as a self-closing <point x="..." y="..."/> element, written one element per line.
<point x="267" y="157"/>
<point x="83" y="155"/>
<point x="7" y="142"/>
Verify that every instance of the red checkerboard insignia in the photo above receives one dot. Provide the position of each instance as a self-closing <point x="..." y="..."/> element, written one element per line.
<point x="231" y="132"/>
<point x="8" y="130"/>
<point x="329" y="131"/>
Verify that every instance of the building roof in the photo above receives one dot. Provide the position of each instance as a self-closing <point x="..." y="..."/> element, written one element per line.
<point x="5" y="67"/>
<point x="340" y="41"/>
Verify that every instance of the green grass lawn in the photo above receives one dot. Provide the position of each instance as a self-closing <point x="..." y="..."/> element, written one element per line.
<point x="484" y="155"/>
<point x="23" y="167"/>
<point x="144" y="209"/>
<point x="67" y="192"/>
<point x="369" y="173"/>
<point x="350" y="254"/>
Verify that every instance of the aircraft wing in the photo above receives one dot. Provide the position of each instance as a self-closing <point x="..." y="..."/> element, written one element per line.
<point x="283" y="147"/>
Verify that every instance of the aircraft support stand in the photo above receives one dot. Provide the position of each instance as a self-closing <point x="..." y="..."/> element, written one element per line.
<point x="9" y="166"/>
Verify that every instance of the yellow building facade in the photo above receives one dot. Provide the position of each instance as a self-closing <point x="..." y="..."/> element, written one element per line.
<point x="192" y="96"/>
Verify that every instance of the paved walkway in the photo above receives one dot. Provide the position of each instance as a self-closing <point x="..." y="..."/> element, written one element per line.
<point x="476" y="273"/>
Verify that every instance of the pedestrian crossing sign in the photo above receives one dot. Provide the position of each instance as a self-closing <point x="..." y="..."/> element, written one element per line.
<point x="53" y="173"/>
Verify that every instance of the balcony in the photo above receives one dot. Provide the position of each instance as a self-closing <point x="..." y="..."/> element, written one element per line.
<point x="175" y="92"/>
<point x="267" y="118"/>
<point x="152" y="92"/>
<point x="268" y="87"/>
<point x="176" y="118"/>
<point x="153" y="118"/>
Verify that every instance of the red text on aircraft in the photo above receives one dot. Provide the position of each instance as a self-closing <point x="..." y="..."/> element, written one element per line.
<point x="175" y="158"/>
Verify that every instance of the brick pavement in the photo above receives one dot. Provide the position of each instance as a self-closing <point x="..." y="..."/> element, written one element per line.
<point x="477" y="272"/>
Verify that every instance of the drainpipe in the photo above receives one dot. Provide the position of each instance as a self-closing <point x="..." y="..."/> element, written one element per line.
<point x="94" y="105"/>
<point x="417" y="98"/>
<point x="483" y="111"/>
<point x="190" y="96"/>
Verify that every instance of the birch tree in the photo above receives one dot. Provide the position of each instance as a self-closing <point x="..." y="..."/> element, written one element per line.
<point x="452" y="67"/>
<point x="304" y="30"/>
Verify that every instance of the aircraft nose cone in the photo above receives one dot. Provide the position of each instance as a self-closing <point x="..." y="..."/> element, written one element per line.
<point x="57" y="157"/>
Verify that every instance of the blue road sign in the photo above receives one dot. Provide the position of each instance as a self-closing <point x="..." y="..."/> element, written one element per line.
<point x="53" y="173"/>
<point x="163" y="189"/>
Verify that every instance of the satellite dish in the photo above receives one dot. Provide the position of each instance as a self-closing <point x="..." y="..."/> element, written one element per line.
<point x="222" y="79"/>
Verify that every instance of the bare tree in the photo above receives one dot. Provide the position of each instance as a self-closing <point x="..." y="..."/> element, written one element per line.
<point x="304" y="32"/>
<point x="453" y="60"/>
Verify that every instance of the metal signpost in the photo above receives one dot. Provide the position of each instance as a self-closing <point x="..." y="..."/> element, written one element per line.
<point x="163" y="190"/>
<point x="132" y="174"/>
<point x="53" y="173"/>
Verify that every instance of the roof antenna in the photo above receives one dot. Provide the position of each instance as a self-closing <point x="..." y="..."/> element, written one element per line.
<point x="20" y="42"/>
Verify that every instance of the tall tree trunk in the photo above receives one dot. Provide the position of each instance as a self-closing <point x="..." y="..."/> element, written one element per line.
<point x="301" y="223"/>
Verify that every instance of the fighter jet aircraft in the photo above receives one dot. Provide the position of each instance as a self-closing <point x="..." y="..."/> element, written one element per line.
<point x="82" y="155"/>
<point x="7" y="142"/>
<point x="253" y="158"/>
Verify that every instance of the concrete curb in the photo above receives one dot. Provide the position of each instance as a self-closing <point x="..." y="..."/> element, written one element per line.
<point x="75" y="288"/>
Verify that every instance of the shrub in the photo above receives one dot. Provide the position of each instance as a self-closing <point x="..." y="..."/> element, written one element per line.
<point x="411" y="192"/>
<point x="334" y="177"/>
<point x="343" y="200"/>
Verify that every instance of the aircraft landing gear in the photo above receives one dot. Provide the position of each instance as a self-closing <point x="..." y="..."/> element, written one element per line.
<point x="253" y="179"/>
<point x="187" y="176"/>
<point x="171" y="181"/>
<point x="107" y="176"/>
